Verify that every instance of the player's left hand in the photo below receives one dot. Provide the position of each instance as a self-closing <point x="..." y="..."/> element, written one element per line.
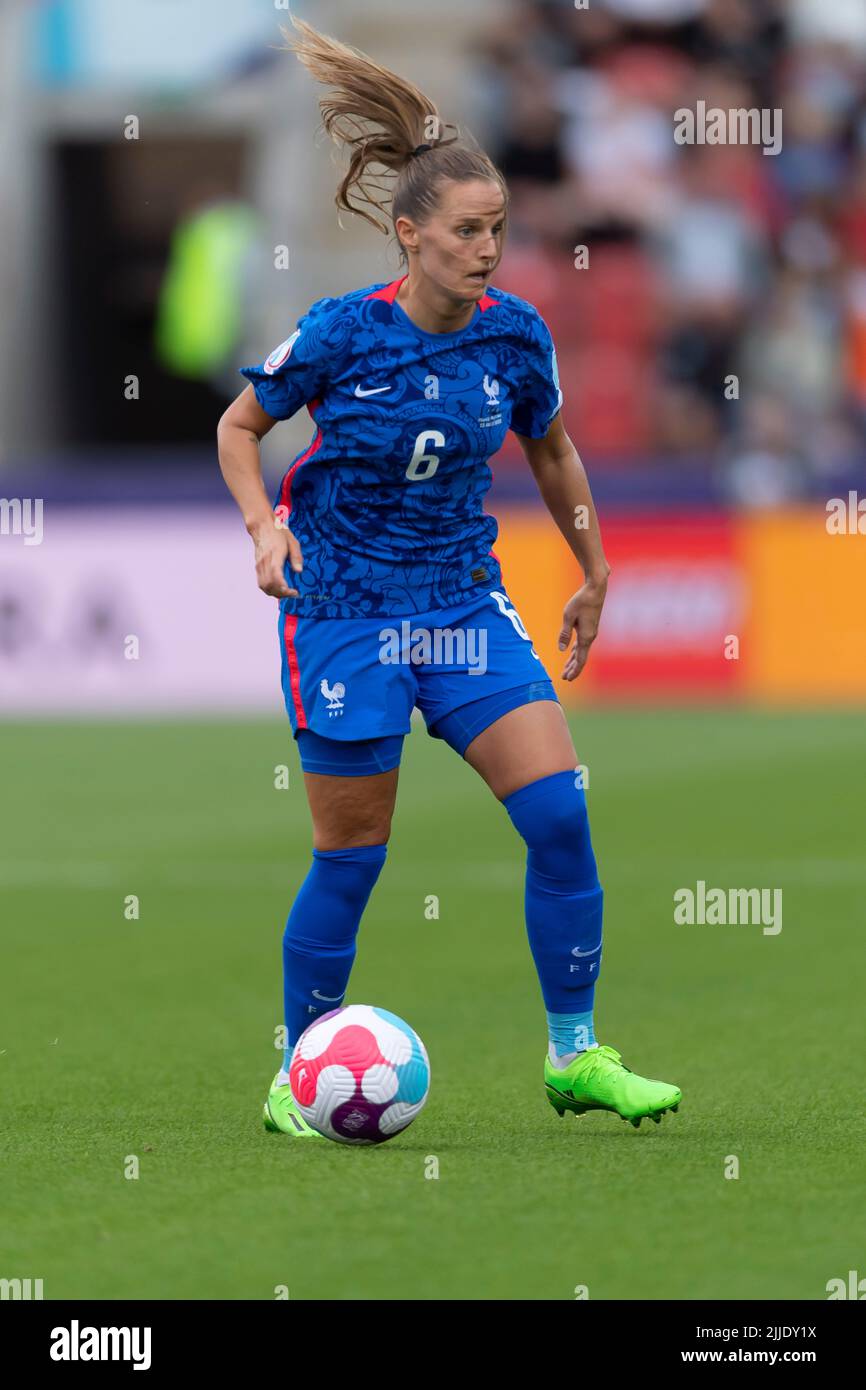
<point x="581" y="616"/>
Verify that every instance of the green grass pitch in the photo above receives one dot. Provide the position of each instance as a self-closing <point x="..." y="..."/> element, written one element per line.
<point x="154" y="1037"/>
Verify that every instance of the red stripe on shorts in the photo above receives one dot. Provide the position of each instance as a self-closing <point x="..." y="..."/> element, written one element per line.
<point x="289" y="628"/>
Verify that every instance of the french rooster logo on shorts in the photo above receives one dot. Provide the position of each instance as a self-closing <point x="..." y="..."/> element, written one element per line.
<point x="334" y="695"/>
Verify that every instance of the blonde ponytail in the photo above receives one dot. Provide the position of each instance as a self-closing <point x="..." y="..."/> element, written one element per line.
<point x="399" y="153"/>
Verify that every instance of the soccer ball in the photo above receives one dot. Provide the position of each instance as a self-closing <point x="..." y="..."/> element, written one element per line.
<point x="359" y="1074"/>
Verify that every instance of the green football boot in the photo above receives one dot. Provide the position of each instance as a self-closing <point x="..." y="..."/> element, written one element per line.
<point x="282" y="1116"/>
<point x="597" y="1080"/>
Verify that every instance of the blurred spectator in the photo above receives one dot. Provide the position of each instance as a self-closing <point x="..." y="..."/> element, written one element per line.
<point x="704" y="262"/>
<point x="199" y="316"/>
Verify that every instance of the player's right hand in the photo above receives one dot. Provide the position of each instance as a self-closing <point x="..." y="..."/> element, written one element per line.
<point x="274" y="545"/>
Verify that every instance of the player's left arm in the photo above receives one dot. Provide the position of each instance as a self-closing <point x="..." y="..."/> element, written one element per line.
<point x="564" y="486"/>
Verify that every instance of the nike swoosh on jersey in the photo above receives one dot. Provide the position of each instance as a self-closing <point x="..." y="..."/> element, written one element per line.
<point x="375" y="391"/>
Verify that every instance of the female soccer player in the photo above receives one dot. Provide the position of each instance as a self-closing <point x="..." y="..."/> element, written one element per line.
<point x="390" y="594"/>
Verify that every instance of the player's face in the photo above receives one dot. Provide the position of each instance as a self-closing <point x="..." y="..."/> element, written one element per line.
<point x="460" y="245"/>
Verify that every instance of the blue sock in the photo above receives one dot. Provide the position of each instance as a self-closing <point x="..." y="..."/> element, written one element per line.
<point x="571" y="1033"/>
<point x="563" y="902"/>
<point x="319" y="940"/>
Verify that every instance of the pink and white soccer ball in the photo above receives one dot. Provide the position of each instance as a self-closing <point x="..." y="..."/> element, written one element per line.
<point x="360" y="1074"/>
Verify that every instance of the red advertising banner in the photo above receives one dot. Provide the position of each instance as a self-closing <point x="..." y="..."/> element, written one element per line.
<point x="675" y="611"/>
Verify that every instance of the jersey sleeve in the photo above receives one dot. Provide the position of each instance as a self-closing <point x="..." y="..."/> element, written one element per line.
<point x="540" y="397"/>
<point x="297" y="369"/>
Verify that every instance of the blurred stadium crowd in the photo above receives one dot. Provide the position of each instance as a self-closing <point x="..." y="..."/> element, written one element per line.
<point x="711" y="336"/>
<point x="706" y="260"/>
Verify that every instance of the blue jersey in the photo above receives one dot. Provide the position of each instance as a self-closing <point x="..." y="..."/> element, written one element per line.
<point x="387" y="502"/>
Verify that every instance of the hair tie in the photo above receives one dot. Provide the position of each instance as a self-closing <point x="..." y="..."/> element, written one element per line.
<point x="419" y="149"/>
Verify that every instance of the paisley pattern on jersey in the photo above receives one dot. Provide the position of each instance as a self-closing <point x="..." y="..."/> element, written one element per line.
<point x="387" y="501"/>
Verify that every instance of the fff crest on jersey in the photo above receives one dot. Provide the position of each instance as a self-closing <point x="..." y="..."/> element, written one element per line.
<point x="493" y="403"/>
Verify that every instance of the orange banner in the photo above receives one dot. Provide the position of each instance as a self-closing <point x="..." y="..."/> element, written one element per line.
<point x="765" y="606"/>
<point x="807" y="635"/>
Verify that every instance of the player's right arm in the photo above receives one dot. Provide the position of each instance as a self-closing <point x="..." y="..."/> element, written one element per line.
<point x="239" y="433"/>
<point x="293" y="374"/>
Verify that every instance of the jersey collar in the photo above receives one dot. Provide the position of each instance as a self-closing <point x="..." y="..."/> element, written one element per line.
<point x="388" y="293"/>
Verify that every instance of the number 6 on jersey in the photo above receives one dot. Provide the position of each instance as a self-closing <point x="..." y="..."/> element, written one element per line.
<point x="430" y="461"/>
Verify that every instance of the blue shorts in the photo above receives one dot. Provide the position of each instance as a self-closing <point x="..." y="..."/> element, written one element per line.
<point x="350" y="684"/>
